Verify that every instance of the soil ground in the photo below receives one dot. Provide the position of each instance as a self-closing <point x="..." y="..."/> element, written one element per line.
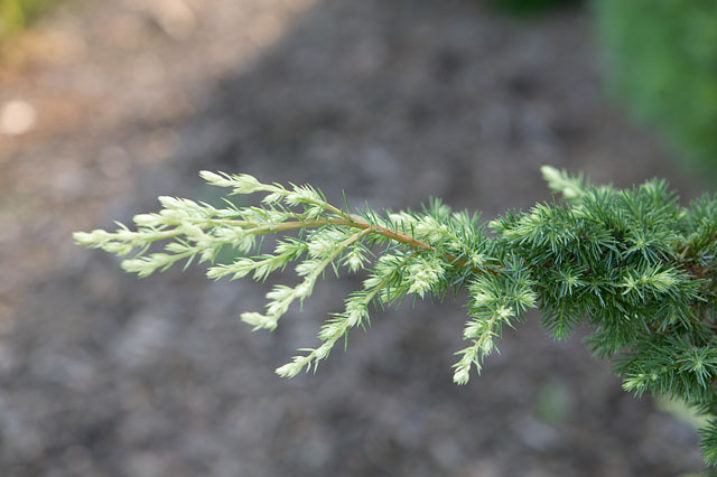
<point x="392" y="101"/>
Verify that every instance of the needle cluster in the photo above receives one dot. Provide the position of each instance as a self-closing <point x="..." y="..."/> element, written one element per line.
<point x="634" y="264"/>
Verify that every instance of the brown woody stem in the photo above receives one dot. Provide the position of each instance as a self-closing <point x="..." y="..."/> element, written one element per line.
<point x="350" y="221"/>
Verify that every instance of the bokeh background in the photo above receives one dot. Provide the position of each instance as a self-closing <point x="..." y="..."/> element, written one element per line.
<point x="106" y="104"/>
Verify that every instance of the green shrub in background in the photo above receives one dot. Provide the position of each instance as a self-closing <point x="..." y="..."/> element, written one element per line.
<point x="16" y="14"/>
<point x="662" y="61"/>
<point x="529" y="6"/>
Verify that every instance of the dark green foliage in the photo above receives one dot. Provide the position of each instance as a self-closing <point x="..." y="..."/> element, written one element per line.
<point x="641" y="269"/>
<point x="530" y="6"/>
<point x="662" y="62"/>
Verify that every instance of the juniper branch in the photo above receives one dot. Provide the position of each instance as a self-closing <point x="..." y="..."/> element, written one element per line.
<point x="632" y="263"/>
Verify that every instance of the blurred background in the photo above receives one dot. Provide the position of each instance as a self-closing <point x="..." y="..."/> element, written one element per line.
<point x="106" y="104"/>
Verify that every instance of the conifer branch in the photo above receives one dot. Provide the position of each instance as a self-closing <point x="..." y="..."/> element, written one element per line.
<point x="633" y="263"/>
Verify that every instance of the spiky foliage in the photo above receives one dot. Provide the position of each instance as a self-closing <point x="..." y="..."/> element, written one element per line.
<point x="633" y="263"/>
